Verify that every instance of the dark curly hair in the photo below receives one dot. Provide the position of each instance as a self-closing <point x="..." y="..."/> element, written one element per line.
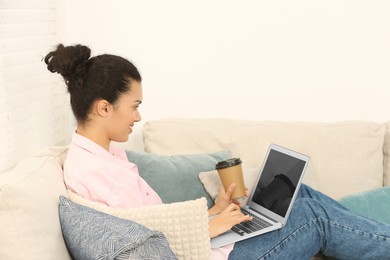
<point x="88" y="79"/>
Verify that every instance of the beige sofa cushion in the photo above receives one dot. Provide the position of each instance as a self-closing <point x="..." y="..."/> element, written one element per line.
<point x="30" y="227"/>
<point x="386" y="150"/>
<point x="185" y="224"/>
<point x="346" y="157"/>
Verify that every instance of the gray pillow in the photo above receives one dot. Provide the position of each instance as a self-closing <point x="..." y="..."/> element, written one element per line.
<point x="175" y="178"/>
<point x="91" y="234"/>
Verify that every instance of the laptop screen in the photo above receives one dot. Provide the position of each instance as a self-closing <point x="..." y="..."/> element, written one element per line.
<point x="278" y="182"/>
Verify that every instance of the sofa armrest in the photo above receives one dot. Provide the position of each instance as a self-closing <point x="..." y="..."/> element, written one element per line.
<point x="185" y="224"/>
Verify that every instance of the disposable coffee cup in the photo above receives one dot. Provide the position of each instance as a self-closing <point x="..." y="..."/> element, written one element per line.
<point x="230" y="171"/>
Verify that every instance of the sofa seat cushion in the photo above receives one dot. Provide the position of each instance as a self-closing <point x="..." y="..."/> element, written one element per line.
<point x="345" y="157"/>
<point x="30" y="227"/>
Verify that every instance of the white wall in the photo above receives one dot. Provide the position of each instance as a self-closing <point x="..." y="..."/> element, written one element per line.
<point x="263" y="60"/>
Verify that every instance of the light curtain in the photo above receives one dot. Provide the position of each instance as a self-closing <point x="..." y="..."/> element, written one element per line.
<point x="34" y="106"/>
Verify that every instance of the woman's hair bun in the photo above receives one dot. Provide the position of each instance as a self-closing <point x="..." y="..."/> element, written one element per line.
<point x="69" y="61"/>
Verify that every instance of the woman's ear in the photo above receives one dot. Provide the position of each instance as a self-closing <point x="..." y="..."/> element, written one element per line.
<point x="103" y="108"/>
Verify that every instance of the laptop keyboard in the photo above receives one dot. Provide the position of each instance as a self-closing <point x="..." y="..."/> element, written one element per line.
<point x="250" y="226"/>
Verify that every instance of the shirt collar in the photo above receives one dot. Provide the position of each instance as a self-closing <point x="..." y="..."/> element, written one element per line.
<point x="92" y="147"/>
<point x="115" y="154"/>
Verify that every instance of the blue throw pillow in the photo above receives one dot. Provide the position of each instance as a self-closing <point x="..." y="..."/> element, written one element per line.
<point x="91" y="234"/>
<point x="374" y="204"/>
<point x="175" y="178"/>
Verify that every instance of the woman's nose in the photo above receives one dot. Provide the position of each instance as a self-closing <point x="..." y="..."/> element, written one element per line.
<point x="137" y="116"/>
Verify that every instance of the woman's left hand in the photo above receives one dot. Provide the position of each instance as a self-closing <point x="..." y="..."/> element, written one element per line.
<point x="224" y="199"/>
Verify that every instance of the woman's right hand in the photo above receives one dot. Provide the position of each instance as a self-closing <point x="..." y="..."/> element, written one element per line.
<point x="224" y="221"/>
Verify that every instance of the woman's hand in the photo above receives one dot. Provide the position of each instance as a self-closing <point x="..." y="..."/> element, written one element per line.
<point x="229" y="217"/>
<point x="224" y="199"/>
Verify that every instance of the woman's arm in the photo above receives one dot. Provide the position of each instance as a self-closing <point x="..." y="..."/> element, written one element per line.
<point x="226" y="213"/>
<point x="224" y="221"/>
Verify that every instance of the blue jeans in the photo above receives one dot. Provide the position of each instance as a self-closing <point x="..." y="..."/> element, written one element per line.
<point x="319" y="223"/>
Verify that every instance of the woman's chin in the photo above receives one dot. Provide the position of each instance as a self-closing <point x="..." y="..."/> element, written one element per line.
<point x="121" y="139"/>
<point x="125" y="139"/>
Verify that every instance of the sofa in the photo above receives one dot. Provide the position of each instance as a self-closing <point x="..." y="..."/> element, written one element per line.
<point x="350" y="161"/>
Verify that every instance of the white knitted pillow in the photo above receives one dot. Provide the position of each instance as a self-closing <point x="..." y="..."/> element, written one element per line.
<point x="185" y="224"/>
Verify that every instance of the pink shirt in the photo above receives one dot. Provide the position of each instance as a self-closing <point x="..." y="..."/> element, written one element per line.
<point x="108" y="177"/>
<point x="105" y="177"/>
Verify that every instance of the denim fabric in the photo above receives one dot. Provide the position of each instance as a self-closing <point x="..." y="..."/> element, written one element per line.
<point x="318" y="223"/>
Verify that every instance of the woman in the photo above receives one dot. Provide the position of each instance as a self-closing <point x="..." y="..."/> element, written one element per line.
<point x="105" y="93"/>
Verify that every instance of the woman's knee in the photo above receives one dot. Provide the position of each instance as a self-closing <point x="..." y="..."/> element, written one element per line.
<point x="306" y="191"/>
<point x="307" y="207"/>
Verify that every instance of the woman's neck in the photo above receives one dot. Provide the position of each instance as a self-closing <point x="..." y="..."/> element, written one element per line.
<point x="94" y="135"/>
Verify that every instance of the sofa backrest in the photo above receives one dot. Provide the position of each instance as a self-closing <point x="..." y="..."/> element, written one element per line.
<point x="346" y="157"/>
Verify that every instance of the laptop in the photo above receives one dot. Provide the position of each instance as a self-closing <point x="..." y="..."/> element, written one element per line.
<point x="272" y="197"/>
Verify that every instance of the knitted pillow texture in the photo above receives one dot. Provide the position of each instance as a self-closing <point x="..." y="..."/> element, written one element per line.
<point x="184" y="224"/>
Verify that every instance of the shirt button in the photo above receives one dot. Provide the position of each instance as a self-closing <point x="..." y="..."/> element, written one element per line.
<point x="147" y="193"/>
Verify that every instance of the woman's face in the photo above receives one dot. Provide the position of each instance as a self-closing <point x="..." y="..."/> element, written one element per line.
<point x="125" y="113"/>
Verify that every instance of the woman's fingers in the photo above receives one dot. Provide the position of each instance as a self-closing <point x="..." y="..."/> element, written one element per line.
<point x="246" y="192"/>
<point x="230" y="190"/>
<point x="236" y="215"/>
<point x="231" y="216"/>
<point x="232" y="207"/>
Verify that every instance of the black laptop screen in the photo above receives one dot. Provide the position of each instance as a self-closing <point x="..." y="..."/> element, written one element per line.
<point x="278" y="182"/>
